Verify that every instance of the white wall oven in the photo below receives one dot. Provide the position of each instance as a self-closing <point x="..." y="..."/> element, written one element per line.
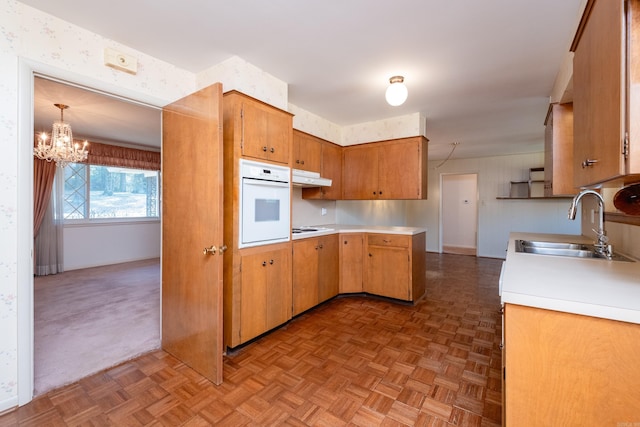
<point x="265" y="198"/>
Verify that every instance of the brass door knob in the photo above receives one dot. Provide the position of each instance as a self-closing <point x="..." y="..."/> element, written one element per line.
<point x="210" y="251"/>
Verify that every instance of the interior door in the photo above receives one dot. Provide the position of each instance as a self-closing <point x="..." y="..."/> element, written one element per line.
<point x="192" y="218"/>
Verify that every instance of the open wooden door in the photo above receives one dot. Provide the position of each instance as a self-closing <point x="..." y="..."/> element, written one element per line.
<point x="192" y="218"/>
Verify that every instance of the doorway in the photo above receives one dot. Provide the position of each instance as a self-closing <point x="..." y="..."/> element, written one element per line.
<point x="459" y="213"/>
<point x="89" y="307"/>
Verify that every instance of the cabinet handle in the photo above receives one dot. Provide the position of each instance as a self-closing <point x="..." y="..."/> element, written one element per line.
<point x="380" y="193"/>
<point x="345" y="242"/>
<point x="374" y="193"/>
<point x="321" y="246"/>
<point x="264" y="148"/>
<point x="271" y="262"/>
<point x="302" y="162"/>
<point x="264" y="263"/>
<point x="370" y="255"/>
<point x="273" y="150"/>
<point x="589" y="163"/>
<point x="386" y="241"/>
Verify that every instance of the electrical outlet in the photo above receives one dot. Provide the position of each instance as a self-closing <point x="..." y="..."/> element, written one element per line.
<point x="120" y="61"/>
<point x="323" y="211"/>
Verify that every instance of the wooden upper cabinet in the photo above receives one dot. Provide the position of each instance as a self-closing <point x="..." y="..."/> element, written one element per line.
<point x="264" y="131"/>
<point x="558" y="151"/>
<point x="600" y="90"/>
<point x="330" y="167"/>
<point x="395" y="169"/>
<point x="307" y="151"/>
<point x="360" y="172"/>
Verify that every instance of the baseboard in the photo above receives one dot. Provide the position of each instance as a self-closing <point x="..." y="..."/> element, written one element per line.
<point x="8" y="405"/>
<point x="460" y="250"/>
<point x="113" y="262"/>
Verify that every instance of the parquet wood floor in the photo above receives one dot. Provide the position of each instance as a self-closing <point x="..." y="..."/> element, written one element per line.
<point x="356" y="361"/>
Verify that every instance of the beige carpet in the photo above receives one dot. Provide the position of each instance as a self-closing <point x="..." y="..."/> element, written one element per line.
<point x="91" y="319"/>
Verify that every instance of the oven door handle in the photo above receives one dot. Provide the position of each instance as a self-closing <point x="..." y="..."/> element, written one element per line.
<point x="264" y="183"/>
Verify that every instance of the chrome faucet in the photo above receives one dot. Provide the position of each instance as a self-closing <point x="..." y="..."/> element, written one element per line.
<point x="601" y="245"/>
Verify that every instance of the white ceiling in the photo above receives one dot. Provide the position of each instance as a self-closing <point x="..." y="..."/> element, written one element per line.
<point x="481" y="72"/>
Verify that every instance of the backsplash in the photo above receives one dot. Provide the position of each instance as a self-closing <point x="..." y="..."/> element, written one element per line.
<point x="309" y="212"/>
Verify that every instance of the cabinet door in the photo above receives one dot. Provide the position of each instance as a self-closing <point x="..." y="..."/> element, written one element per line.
<point x="305" y="275"/>
<point x="598" y="95"/>
<point x="360" y="173"/>
<point x="388" y="272"/>
<point x="307" y="152"/>
<point x="253" y="307"/>
<point x="279" y="135"/>
<point x="351" y="258"/>
<point x="278" y="298"/>
<point x="266" y="132"/>
<point x="558" y="151"/>
<point x="400" y="170"/>
<point x="331" y="167"/>
<point x="328" y="267"/>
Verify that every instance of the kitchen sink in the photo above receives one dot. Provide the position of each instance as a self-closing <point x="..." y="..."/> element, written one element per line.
<point x="565" y="249"/>
<point x="307" y="229"/>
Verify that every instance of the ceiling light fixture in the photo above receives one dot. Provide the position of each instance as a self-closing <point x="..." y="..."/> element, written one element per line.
<point x="61" y="148"/>
<point x="396" y="92"/>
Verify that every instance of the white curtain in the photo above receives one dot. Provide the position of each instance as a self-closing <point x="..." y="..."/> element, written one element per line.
<point x="48" y="245"/>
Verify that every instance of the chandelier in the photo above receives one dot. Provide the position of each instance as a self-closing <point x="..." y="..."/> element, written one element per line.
<point x="60" y="148"/>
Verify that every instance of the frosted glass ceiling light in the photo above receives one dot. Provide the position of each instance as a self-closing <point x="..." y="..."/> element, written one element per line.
<point x="396" y="92"/>
<point x="61" y="148"/>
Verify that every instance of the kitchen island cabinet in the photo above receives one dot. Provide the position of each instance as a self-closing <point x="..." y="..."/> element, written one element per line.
<point x="260" y="131"/>
<point x="606" y="51"/>
<point x="568" y="369"/>
<point x="387" y="170"/>
<point x="315" y="271"/>
<point x="571" y="337"/>
<point x="395" y="266"/>
<point x="264" y="300"/>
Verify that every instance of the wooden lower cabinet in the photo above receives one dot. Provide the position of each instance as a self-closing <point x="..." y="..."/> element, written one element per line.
<point x="394" y="266"/>
<point x="565" y="369"/>
<point x="315" y="271"/>
<point x="265" y="292"/>
<point x="351" y="259"/>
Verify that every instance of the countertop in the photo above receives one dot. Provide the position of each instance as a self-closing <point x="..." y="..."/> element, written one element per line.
<point x="592" y="287"/>
<point x="342" y="228"/>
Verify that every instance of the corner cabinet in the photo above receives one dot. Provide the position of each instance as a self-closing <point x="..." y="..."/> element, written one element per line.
<point x="606" y="51"/>
<point x="395" y="266"/>
<point x="351" y="259"/>
<point x="264" y="132"/>
<point x="558" y="151"/>
<point x="561" y="369"/>
<point x="387" y="170"/>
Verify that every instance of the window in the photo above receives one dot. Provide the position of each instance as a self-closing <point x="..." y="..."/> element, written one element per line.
<point x="101" y="192"/>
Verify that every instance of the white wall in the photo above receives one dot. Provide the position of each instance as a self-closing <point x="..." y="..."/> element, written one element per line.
<point x="496" y="218"/>
<point x="110" y="243"/>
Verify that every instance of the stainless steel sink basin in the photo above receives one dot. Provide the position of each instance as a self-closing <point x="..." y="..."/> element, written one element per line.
<point x="566" y="249"/>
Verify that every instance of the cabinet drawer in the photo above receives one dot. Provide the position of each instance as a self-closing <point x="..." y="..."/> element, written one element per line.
<point x="398" y="240"/>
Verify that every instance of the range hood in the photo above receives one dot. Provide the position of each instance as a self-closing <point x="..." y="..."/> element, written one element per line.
<point x="301" y="178"/>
